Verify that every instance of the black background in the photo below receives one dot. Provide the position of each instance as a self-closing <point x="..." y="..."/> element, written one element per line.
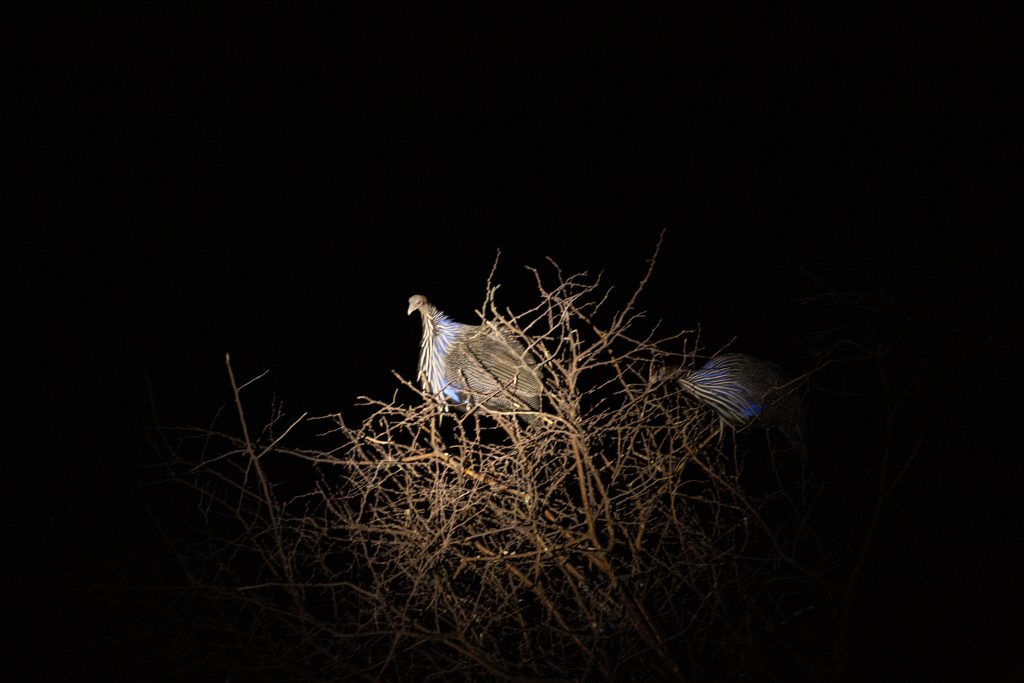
<point x="275" y="183"/>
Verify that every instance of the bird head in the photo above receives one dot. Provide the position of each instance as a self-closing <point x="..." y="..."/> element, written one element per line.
<point x="663" y="372"/>
<point x="416" y="302"/>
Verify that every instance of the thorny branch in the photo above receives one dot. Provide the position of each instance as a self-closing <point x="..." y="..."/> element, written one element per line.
<point x="618" y="540"/>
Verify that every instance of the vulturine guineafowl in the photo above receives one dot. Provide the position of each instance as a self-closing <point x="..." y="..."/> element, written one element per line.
<point x="465" y="365"/>
<point x="746" y="390"/>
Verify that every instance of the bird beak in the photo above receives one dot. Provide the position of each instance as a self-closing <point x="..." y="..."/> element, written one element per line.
<point x="411" y="309"/>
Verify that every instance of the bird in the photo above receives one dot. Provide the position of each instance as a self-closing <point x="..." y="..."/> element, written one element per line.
<point x="463" y="365"/>
<point x="745" y="390"/>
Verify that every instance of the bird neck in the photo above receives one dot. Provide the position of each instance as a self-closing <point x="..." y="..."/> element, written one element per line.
<point x="439" y="333"/>
<point x="439" y="330"/>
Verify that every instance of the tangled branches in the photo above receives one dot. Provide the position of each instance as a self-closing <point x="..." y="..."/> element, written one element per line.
<point x="621" y="539"/>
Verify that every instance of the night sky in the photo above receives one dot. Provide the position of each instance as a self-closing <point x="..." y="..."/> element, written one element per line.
<point x="275" y="184"/>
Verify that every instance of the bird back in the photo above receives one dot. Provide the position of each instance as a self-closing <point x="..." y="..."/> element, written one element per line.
<point x="495" y="368"/>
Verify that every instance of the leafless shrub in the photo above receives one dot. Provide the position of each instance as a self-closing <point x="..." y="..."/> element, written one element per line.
<point x="622" y="539"/>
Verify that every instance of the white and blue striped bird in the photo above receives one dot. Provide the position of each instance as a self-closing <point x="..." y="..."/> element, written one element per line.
<point x="465" y="365"/>
<point x="746" y="390"/>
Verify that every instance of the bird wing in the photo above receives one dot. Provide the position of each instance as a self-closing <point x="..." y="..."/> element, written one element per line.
<point x="491" y="361"/>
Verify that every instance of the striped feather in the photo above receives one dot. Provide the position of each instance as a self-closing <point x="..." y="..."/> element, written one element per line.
<point x="464" y="364"/>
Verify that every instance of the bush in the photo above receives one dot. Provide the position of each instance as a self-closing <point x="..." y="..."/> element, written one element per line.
<point x="626" y="537"/>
